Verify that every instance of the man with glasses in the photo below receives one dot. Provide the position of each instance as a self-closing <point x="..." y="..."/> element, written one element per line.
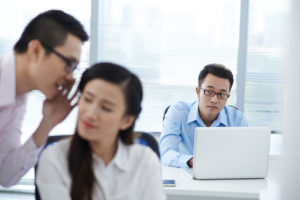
<point x="44" y="59"/>
<point x="177" y="137"/>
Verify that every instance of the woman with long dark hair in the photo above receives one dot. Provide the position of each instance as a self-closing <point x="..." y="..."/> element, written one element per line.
<point x="100" y="160"/>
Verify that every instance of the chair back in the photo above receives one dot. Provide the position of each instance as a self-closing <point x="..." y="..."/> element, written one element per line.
<point x="165" y="112"/>
<point x="147" y="139"/>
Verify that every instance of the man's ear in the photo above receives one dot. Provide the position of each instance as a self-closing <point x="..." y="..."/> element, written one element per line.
<point x="127" y="122"/>
<point x="198" y="90"/>
<point x="34" y="50"/>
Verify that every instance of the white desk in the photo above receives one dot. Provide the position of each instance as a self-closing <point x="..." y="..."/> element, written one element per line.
<point x="189" y="189"/>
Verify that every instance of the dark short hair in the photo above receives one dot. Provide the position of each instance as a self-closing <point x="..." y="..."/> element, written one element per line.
<point x="52" y="28"/>
<point x="218" y="70"/>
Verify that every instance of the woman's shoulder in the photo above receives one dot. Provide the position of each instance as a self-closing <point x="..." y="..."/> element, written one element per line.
<point x="142" y="154"/>
<point x="57" y="149"/>
<point x="53" y="162"/>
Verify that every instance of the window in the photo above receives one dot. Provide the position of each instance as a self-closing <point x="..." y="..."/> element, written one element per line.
<point x="167" y="43"/>
<point x="265" y="86"/>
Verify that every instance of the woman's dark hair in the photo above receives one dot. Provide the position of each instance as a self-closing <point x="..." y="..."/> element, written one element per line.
<point x="50" y="27"/>
<point x="216" y="70"/>
<point x="80" y="161"/>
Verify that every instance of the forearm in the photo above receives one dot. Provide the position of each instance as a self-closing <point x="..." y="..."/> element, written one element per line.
<point x="175" y="159"/>
<point x="16" y="160"/>
<point x="170" y="153"/>
<point x="41" y="134"/>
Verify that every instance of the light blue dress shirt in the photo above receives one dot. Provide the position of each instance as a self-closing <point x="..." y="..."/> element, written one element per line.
<point x="177" y="138"/>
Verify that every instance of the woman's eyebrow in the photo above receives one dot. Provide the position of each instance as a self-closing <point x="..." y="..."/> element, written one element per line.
<point x="89" y="93"/>
<point x="108" y="102"/>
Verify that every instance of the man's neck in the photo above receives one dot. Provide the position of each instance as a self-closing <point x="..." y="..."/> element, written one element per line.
<point x="208" y="120"/>
<point x="23" y="80"/>
<point x="208" y="123"/>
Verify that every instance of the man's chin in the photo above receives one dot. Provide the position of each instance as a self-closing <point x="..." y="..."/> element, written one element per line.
<point x="213" y="112"/>
<point x="212" y="109"/>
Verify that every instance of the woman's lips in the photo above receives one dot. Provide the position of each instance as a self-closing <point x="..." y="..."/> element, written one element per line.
<point x="88" y="125"/>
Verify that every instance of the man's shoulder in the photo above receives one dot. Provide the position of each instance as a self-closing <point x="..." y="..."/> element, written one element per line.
<point x="232" y="109"/>
<point x="235" y="116"/>
<point x="180" y="109"/>
<point x="182" y="105"/>
<point x="8" y="81"/>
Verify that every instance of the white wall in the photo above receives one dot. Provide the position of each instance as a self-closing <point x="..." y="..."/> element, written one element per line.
<point x="290" y="183"/>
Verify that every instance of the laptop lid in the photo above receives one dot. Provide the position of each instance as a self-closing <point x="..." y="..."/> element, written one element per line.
<point x="231" y="152"/>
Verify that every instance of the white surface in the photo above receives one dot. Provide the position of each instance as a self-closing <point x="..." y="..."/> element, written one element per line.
<point x="231" y="152"/>
<point x="246" y="188"/>
<point x="276" y="147"/>
<point x="291" y="160"/>
<point x="16" y="196"/>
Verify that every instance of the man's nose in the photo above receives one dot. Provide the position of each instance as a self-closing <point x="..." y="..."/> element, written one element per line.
<point x="214" y="99"/>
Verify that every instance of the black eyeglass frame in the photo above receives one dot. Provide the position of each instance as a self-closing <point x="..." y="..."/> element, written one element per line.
<point x="213" y="93"/>
<point x="71" y="63"/>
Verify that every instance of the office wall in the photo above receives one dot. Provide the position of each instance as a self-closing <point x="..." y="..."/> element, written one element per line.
<point x="291" y="161"/>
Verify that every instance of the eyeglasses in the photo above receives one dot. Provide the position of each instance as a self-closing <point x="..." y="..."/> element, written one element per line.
<point x="71" y="63"/>
<point x="211" y="93"/>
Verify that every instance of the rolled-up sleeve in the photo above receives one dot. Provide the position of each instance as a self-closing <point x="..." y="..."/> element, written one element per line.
<point x="170" y="140"/>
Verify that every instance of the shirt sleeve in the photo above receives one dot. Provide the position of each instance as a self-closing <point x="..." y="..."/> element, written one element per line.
<point x="15" y="159"/>
<point x="16" y="162"/>
<point x="49" y="177"/>
<point x="153" y="188"/>
<point x="170" y="140"/>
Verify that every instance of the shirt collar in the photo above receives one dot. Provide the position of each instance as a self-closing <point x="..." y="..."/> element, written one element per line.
<point x="221" y="119"/>
<point x="195" y="116"/>
<point x="120" y="160"/>
<point x="7" y="80"/>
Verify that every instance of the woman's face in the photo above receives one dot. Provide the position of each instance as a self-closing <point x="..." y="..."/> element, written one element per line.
<point x="101" y="113"/>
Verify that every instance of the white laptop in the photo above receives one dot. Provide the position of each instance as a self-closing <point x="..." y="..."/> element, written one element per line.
<point x="231" y="152"/>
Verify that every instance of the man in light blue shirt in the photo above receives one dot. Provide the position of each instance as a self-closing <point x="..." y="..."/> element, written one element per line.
<point x="177" y="137"/>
